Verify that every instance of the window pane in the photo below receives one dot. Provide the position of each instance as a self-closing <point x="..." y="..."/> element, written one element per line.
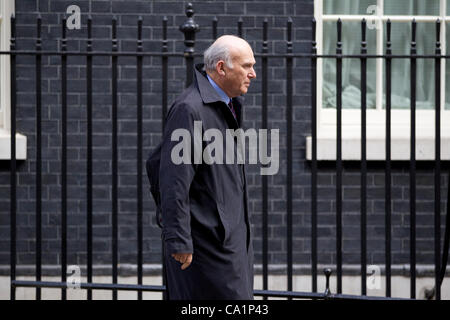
<point x="351" y="68"/>
<point x="401" y="71"/>
<point x="347" y="6"/>
<point x="411" y="7"/>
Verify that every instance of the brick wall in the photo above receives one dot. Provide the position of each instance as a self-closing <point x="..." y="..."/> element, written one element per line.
<point x="152" y="12"/>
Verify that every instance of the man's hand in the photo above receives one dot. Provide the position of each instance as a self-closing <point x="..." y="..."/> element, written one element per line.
<point x="184" y="258"/>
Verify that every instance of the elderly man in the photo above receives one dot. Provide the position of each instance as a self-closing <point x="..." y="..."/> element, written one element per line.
<point x="205" y="220"/>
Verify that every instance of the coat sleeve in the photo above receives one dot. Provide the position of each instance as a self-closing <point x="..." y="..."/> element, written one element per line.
<point x="175" y="181"/>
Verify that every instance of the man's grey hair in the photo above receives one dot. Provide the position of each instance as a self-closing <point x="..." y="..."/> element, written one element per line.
<point x="215" y="53"/>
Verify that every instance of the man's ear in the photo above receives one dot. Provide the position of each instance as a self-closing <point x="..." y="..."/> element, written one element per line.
<point x="220" y="68"/>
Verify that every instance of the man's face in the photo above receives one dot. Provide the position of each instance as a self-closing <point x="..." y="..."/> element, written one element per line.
<point x="237" y="79"/>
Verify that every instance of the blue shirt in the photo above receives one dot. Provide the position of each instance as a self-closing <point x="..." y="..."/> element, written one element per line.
<point x="223" y="96"/>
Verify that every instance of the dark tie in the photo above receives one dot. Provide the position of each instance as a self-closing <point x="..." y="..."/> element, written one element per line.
<point x="230" y="104"/>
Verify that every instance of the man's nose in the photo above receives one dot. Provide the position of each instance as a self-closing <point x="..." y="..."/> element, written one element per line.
<point x="252" y="74"/>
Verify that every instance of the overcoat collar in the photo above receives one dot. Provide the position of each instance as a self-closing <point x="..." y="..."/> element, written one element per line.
<point x="210" y="96"/>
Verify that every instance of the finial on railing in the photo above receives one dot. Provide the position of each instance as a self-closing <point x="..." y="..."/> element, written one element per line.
<point x="413" y="36"/>
<point x="388" y="32"/>
<point x="164" y="41"/>
<point x="438" y="34"/>
<point x="12" y="40"/>
<point x="339" y="37"/>
<point x="313" y="38"/>
<point x="265" y="31"/>
<point x="114" y="34"/>
<point x="63" y="34"/>
<point x="189" y="28"/>
<point x="139" y="34"/>
<point x="363" y="30"/>
<point x="38" y="32"/>
<point x="363" y="36"/>
<point x="289" y="35"/>
<point x="339" y="30"/>
<point x="89" y="31"/>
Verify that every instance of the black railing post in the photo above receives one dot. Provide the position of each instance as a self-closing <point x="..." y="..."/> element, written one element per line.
<point x="363" y="158"/>
<point x="13" y="177"/>
<point x="314" y="159"/>
<point x="164" y="72"/>
<point x="189" y="28"/>
<point x="163" y="119"/>
<point x="339" y="157"/>
<point x="264" y="177"/>
<point x="412" y="167"/>
<point x="114" y="191"/>
<point x="139" y="156"/>
<point x="89" y="178"/>
<point x="437" y="166"/>
<point x="289" y="91"/>
<point x="388" y="162"/>
<point x="38" y="157"/>
<point x="63" y="159"/>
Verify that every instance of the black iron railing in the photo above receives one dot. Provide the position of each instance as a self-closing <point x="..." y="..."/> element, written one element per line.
<point x="189" y="28"/>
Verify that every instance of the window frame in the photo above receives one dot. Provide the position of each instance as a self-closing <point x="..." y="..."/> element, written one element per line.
<point x="7" y="9"/>
<point x="400" y="126"/>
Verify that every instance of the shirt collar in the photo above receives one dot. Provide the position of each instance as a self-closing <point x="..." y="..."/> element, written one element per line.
<point x="223" y="96"/>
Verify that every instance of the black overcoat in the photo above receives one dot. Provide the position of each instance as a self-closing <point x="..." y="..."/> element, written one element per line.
<point x="204" y="206"/>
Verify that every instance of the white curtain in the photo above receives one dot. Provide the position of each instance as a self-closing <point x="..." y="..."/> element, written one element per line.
<point x="401" y="43"/>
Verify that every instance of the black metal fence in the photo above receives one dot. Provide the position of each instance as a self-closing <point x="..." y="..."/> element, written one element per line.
<point x="189" y="29"/>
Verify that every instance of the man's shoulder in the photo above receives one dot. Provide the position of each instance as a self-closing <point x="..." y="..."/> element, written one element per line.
<point x="189" y="101"/>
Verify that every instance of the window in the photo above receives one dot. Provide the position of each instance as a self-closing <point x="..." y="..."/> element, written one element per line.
<point x="6" y="10"/>
<point x="376" y="13"/>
